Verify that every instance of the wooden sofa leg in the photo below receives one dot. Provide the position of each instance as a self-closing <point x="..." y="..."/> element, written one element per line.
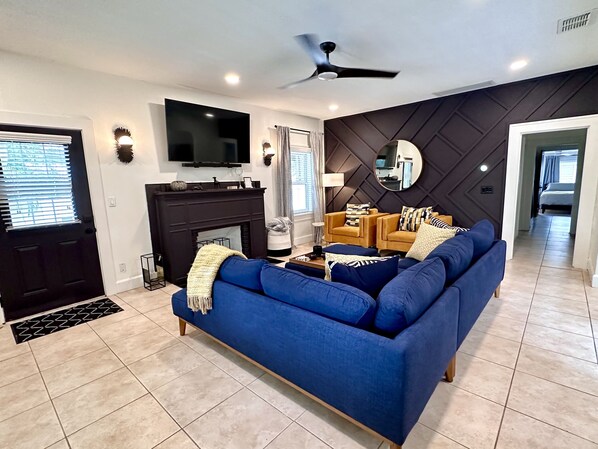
<point x="497" y="292"/>
<point x="393" y="445"/>
<point x="182" y="326"/>
<point x="451" y="369"/>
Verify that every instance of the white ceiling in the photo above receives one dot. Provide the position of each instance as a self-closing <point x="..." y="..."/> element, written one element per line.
<point x="437" y="44"/>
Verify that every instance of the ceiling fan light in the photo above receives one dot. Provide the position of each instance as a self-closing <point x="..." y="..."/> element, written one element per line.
<point x="327" y="76"/>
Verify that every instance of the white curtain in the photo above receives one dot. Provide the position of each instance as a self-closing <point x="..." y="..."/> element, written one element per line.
<point x="284" y="200"/>
<point x="316" y="143"/>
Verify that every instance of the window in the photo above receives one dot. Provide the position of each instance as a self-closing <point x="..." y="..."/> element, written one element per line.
<point x="35" y="180"/>
<point x="567" y="168"/>
<point x="302" y="173"/>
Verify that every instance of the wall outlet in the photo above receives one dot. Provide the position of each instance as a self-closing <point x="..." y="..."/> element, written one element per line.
<point x="111" y="201"/>
<point x="122" y="267"/>
<point x="487" y="190"/>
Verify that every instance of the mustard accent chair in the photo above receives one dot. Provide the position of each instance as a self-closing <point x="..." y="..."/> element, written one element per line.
<point x="390" y="237"/>
<point x="364" y="235"/>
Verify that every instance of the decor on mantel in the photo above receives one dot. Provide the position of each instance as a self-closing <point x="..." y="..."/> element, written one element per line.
<point x="124" y="144"/>
<point x="247" y="182"/>
<point x="178" y="186"/>
<point x="269" y="153"/>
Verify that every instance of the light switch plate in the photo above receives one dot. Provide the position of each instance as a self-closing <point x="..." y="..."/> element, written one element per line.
<point x="111" y="201"/>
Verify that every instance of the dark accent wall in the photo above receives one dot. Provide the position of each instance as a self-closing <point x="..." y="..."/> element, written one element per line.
<point x="456" y="134"/>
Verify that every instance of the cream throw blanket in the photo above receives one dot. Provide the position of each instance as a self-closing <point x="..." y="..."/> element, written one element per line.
<point x="203" y="273"/>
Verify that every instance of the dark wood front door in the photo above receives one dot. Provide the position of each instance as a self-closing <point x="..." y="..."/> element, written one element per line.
<point x="48" y="250"/>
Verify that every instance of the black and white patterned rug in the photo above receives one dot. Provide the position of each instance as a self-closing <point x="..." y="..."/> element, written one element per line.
<point x="63" y="319"/>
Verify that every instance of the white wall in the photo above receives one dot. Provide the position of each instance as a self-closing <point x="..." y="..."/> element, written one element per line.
<point x="33" y="91"/>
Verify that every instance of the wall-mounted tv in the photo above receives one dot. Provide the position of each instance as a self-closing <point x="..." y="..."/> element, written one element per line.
<point x="203" y="134"/>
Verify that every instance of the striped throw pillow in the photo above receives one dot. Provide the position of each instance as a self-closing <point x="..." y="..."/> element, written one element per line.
<point x="354" y="211"/>
<point x="442" y="225"/>
<point x="412" y="218"/>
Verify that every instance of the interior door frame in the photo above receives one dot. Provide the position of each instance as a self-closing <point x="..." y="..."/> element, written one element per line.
<point x="588" y="188"/>
<point x="94" y="180"/>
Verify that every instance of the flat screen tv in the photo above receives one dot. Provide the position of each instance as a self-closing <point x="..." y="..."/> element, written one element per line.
<point x="203" y="134"/>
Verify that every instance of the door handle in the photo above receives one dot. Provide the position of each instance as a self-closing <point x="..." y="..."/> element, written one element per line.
<point x="90" y="230"/>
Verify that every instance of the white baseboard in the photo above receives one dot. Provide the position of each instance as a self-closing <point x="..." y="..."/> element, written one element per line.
<point x="595" y="281"/>
<point x="128" y="284"/>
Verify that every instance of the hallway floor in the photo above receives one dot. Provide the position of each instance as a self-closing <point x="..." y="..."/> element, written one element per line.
<point x="527" y="377"/>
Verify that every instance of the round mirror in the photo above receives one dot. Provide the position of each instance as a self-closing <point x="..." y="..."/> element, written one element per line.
<point x="398" y="165"/>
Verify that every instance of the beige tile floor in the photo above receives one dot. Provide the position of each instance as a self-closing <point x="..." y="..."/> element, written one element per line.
<point x="527" y="377"/>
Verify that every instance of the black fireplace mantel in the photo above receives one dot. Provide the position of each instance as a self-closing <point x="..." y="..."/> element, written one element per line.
<point x="176" y="217"/>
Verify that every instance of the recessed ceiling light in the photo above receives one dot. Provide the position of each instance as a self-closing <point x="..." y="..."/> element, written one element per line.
<point x="232" y="79"/>
<point x="519" y="64"/>
<point x="209" y="115"/>
<point x="333" y="107"/>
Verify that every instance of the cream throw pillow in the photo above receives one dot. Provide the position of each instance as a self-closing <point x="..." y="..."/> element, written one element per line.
<point x="428" y="237"/>
<point x="331" y="259"/>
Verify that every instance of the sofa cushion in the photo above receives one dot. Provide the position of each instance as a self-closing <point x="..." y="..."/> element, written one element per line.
<point x="332" y="258"/>
<point x="407" y="262"/>
<point x="412" y="217"/>
<point x="402" y="236"/>
<point x="349" y="231"/>
<point x="427" y="239"/>
<point x="366" y="275"/>
<point x="350" y="249"/>
<point x="482" y="235"/>
<point x="406" y="297"/>
<point x="330" y="299"/>
<point x="354" y="211"/>
<point x="456" y="255"/>
<point x="241" y="272"/>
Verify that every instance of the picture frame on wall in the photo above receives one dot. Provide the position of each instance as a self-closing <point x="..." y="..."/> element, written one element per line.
<point x="247" y="182"/>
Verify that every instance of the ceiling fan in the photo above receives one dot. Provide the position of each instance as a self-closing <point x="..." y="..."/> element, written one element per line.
<point x="320" y="55"/>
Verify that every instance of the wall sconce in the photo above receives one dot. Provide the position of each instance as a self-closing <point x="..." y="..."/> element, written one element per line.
<point x="124" y="145"/>
<point x="269" y="153"/>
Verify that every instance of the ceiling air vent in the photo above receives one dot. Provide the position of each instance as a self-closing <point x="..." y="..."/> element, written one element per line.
<point x="461" y="89"/>
<point x="575" y="22"/>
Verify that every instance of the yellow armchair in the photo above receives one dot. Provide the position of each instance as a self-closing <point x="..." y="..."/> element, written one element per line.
<point x="390" y="237"/>
<point x="364" y="235"/>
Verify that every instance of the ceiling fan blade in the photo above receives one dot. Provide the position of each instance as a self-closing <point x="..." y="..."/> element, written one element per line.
<point x="310" y="44"/>
<point x="295" y="83"/>
<point x="346" y="72"/>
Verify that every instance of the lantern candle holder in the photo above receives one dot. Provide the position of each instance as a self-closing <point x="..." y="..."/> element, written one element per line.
<point x="153" y="271"/>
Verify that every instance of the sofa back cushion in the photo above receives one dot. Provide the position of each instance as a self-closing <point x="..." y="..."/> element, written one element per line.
<point x="406" y="297"/>
<point x="456" y="254"/>
<point x="482" y="235"/>
<point x="241" y="272"/>
<point x="367" y="275"/>
<point x="330" y="299"/>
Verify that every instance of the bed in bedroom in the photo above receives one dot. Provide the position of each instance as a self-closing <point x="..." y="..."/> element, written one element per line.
<point x="558" y="195"/>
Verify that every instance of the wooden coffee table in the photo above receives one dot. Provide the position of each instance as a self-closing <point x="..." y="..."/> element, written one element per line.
<point x="317" y="263"/>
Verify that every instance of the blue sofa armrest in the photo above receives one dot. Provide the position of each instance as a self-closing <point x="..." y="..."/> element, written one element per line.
<point x="381" y="382"/>
<point x="477" y="285"/>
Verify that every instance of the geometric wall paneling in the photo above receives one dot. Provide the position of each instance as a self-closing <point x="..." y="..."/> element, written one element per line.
<point x="455" y="134"/>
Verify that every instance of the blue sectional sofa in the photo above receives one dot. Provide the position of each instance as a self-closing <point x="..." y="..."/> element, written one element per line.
<point x="374" y="361"/>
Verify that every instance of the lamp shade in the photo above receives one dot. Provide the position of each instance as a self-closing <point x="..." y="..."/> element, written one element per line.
<point x="333" y="179"/>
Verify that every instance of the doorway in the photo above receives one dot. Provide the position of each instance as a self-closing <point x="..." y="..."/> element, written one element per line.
<point x="48" y="243"/>
<point x="584" y="254"/>
<point x="551" y="174"/>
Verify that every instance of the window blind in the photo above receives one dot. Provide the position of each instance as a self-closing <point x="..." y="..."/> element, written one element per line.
<point x="35" y="180"/>
<point x="302" y="174"/>
<point x="567" y="169"/>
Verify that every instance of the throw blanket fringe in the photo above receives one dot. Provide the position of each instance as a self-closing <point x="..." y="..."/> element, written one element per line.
<point x="200" y="279"/>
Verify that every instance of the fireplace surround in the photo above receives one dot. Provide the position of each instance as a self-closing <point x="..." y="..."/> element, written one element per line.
<point x="176" y="218"/>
